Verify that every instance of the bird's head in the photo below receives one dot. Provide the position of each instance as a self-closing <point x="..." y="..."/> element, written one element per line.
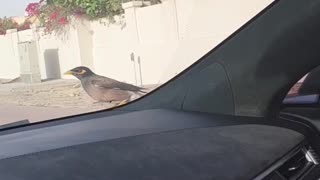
<point x="79" y="72"/>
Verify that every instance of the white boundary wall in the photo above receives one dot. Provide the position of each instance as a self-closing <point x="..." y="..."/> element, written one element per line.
<point x="167" y="38"/>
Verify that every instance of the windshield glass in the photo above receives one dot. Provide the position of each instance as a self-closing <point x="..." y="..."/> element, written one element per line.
<point x="306" y="90"/>
<point x="68" y="57"/>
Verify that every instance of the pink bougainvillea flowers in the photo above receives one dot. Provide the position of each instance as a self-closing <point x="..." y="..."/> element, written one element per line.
<point x="63" y="21"/>
<point x="33" y="9"/>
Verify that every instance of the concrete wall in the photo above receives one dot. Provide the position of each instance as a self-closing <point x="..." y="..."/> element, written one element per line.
<point x="204" y="24"/>
<point x="58" y="53"/>
<point x="112" y="45"/>
<point x="166" y="38"/>
<point x="9" y="63"/>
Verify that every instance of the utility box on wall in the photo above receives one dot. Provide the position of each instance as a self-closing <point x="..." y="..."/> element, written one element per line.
<point x="29" y="62"/>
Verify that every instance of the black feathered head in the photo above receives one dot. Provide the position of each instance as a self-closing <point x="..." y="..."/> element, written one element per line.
<point x="80" y="72"/>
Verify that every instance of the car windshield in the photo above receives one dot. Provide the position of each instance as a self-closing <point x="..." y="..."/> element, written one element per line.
<point x="69" y="57"/>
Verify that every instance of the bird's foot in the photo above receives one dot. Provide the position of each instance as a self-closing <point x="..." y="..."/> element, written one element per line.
<point x="121" y="103"/>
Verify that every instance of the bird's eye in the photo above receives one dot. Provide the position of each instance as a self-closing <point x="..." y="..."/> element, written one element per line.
<point x="80" y="71"/>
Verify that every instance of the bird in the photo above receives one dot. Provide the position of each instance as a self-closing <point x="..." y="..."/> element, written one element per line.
<point x="104" y="89"/>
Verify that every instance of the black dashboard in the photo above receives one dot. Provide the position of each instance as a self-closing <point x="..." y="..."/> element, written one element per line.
<point x="153" y="144"/>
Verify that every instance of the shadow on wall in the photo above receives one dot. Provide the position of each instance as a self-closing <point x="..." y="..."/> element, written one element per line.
<point x="51" y="58"/>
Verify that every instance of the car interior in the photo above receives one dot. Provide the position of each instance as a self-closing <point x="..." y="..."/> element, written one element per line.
<point x="226" y="117"/>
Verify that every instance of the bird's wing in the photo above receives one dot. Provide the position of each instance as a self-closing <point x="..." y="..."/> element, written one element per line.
<point x="104" y="82"/>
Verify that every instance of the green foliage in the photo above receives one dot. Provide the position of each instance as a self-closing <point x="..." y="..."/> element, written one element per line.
<point x="92" y="9"/>
<point x="54" y="15"/>
<point x="8" y="23"/>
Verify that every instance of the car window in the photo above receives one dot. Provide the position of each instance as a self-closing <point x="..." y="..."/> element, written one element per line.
<point x="306" y="90"/>
<point x="294" y="91"/>
<point x="62" y="58"/>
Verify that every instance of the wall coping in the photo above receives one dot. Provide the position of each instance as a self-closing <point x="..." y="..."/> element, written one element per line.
<point x="134" y="4"/>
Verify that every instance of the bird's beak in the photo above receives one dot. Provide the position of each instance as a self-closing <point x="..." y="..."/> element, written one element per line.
<point x="68" y="73"/>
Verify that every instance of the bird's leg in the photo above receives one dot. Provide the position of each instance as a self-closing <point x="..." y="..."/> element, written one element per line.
<point x="122" y="103"/>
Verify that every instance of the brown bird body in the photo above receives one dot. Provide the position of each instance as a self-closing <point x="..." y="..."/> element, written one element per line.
<point x="104" y="89"/>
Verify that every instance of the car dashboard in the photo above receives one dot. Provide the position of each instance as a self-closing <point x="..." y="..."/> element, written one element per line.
<point x="157" y="144"/>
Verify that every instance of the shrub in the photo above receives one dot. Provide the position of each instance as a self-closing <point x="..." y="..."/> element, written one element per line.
<point x="8" y="23"/>
<point x="54" y="15"/>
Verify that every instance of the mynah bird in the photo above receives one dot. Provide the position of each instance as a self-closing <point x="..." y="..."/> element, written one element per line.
<point x="104" y="89"/>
